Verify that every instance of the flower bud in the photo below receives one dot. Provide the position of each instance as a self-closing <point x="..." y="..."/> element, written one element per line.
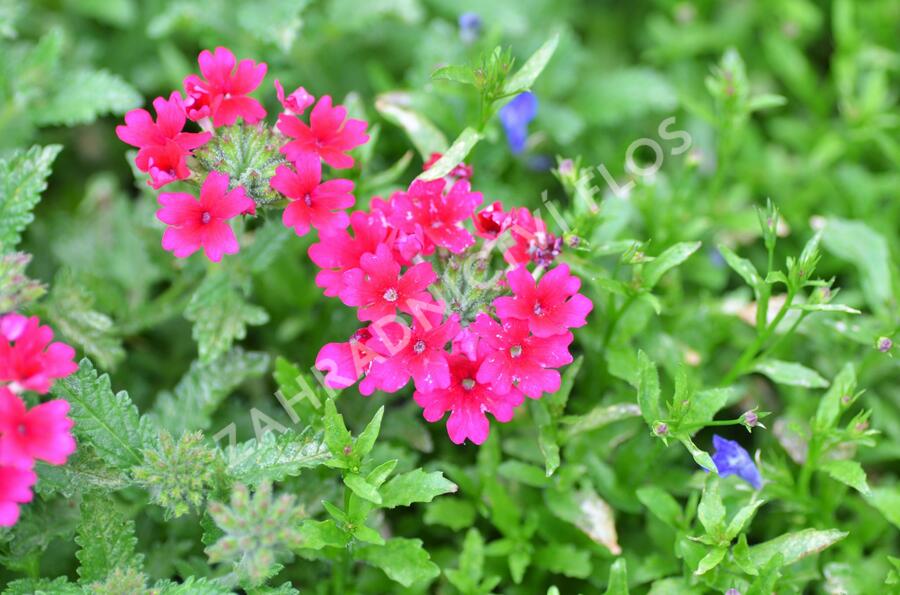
<point x="661" y="429"/>
<point x="884" y="344"/>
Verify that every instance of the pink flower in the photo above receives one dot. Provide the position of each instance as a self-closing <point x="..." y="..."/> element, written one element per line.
<point x="417" y="352"/>
<point x="338" y="251"/>
<point x="313" y="202"/>
<point x="295" y="103"/>
<point x="533" y="242"/>
<point x="467" y="400"/>
<point x="43" y="433"/>
<point x="15" y="489"/>
<point x="435" y="218"/>
<point x="203" y="224"/>
<point x="520" y="359"/>
<point x="330" y="134"/>
<point x="28" y="359"/>
<point x="346" y="362"/>
<point x="378" y="288"/>
<point x="222" y="96"/>
<point x="492" y="221"/>
<point x="163" y="146"/>
<point x="551" y="306"/>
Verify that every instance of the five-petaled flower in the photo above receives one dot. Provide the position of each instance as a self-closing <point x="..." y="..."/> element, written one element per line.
<point x="42" y="433"/>
<point x="15" y="489"/>
<point x="195" y="224"/>
<point x="329" y="135"/>
<point x="28" y="358"/>
<point x="312" y="202"/>
<point x="433" y="217"/>
<point x="551" y="306"/>
<point x="222" y="95"/>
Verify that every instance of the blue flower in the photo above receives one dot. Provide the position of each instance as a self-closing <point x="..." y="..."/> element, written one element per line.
<point x="469" y="26"/>
<point x="731" y="459"/>
<point x="515" y="117"/>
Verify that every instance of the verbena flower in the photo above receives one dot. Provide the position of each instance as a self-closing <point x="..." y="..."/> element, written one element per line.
<point x="313" y="203"/>
<point x="533" y="242"/>
<point x="222" y="95"/>
<point x="329" y="135"/>
<point x="515" y="117"/>
<point x="295" y="103"/>
<point x="436" y="218"/>
<point x="337" y="251"/>
<point x="468" y="402"/>
<point x="195" y="224"/>
<point x="731" y="458"/>
<point x="551" y="306"/>
<point x="28" y="358"/>
<point x="15" y="489"/>
<point x="42" y="433"/>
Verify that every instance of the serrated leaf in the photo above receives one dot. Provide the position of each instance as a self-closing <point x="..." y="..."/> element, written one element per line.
<point x="220" y="314"/>
<point x="203" y="388"/>
<point x="16" y="289"/>
<point x="790" y="373"/>
<point x="648" y="389"/>
<point x="70" y="310"/>
<point x="276" y="457"/>
<point x="23" y="177"/>
<point x="320" y="534"/>
<point x="84" y="471"/>
<point x="618" y="578"/>
<point x="452" y="156"/>
<point x="415" y="486"/>
<point x="396" y="107"/>
<point x="190" y="586"/>
<point x="795" y="546"/>
<point x="107" y="540"/>
<point x="524" y="78"/>
<point x="108" y="422"/>
<point x="847" y="471"/>
<point x="402" y="560"/>
<point x="362" y="488"/>
<point x="83" y="95"/>
<point x="669" y="259"/>
<point x="43" y="586"/>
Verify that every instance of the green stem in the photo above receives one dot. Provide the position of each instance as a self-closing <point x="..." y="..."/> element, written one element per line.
<point x="747" y="358"/>
<point x="614" y="319"/>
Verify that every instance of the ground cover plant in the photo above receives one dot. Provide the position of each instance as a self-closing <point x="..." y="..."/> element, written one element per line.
<point x="410" y="296"/>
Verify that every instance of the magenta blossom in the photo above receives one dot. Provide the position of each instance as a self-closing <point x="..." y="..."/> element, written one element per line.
<point x="468" y="402"/>
<point x="416" y="352"/>
<point x="551" y="306"/>
<point x="337" y="251"/>
<point x="435" y="218"/>
<point x="28" y="359"/>
<point x="222" y="95"/>
<point x="295" y="103"/>
<point x="42" y="433"/>
<point x="379" y="289"/>
<point x="15" y="489"/>
<point x="313" y="202"/>
<point x="518" y="358"/>
<point x="203" y="224"/>
<point x="330" y="135"/>
<point x="346" y="362"/>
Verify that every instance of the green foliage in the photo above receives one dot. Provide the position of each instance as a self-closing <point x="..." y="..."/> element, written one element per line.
<point x="23" y="176"/>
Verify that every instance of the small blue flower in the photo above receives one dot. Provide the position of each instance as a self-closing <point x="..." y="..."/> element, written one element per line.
<point x="515" y="117"/>
<point x="731" y="459"/>
<point x="469" y="26"/>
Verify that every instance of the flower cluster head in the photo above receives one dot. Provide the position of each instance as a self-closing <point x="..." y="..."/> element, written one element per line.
<point x="473" y="334"/>
<point x="236" y="163"/>
<point x="29" y="361"/>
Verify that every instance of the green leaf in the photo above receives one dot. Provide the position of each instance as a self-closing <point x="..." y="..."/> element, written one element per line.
<point x="83" y="95"/>
<point x="403" y="560"/>
<point x="220" y="314"/>
<point x="795" y="546"/>
<point x="23" y="177"/>
<point x="471" y="564"/>
<point x="453" y="156"/>
<point x="415" y="486"/>
<point x="703" y="406"/>
<point x="829" y="410"/>
<point x="711" y="560"/>
<point x="337" y="436"/>
<point x="648" y="389"/>
<point x="618" y="578"/>
<point x="848" y="472"/>
<point x="272" y="21"/>
<point x="396" y="107"/>
<point x="711" y="510"/>
<point x="299" y="394"/>
<point x="362" y="488"/>
<point x="43" y="586"/>
<point x="455" y="73"/>
<point x="316" y="535"/>
<point x="84" y="471"/>
<point x="16" y="289"/>
<point x="742" y="267"/>
<point x="524" y="78"/>
<point x="107" y="540"/>
<point x="203" y="388"/>
<point x="741" y="518"/>
<point x="868" y="251"/>
<point x="598" y="417"/>
<point x="455" y="513"/>
<point x="790" y="373"/>
<point x="70" y="310"/>
<point x="825" y="308"/>
<point x="661" y="504"/>
<point x="887" y="500"/>
<point x="366" y="440"/>
<point x="669" y="259"/>
<point x="109" y="422"/>
<point x="564" y="559"/>
<point x="276" y="457"/>
<point x="701" y="457"/>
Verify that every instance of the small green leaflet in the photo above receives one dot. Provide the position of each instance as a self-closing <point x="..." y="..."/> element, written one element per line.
<point x="848" y="472"/>
<point x="454" y="155"/>
<point x="669" y="259"/>
<point x="415" y="486"/>
<point x="524" y="78"/>
<point x="402" y="560"/>
<point x="83" y="95"/>
<point x="107" y="540"/>
<point x="648" y="389"/>
<point x="275" y="457"/>
<point x="397" y="107"/>
<point x="790" y="373"/>
<point x="23" y="176"/>
<point x="795" y="546"/>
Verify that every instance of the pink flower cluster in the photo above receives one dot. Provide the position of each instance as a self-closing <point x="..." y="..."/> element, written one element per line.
<point x="29" y="361"/>
<point x="386" y="267"/>
<point x="219" y="98"/>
